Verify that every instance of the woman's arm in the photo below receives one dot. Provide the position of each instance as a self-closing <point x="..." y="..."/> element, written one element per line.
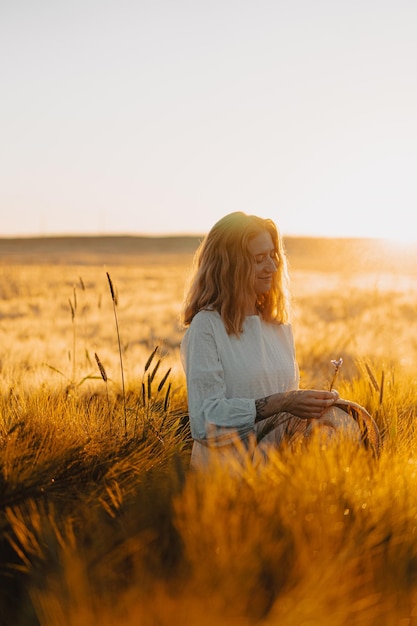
<point x="303" y="403"/>
<point x="211" y="413"/>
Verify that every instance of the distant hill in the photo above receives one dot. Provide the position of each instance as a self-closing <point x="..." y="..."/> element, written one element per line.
<point x="92" y="250"/>
<point x="99" y="245"/>
<point x="304" y="253"/>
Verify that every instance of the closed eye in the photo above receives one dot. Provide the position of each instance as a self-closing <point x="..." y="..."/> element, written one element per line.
<point x="260" y="258"/>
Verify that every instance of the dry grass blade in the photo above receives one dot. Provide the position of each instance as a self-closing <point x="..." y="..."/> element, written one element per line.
<point x="55" y="369"/>
<point x="372" y="378"/>
<point x="381" y="387"/>
<point x="149" y="387"/>
<point x="167" y="398"/>
<point x="163" y="380"/>
<point x="119" y="343"/>
<point x="87" y="356"/>
<point x="150" y="359"/>
<point x="155" y="369"/>
<point x="101" y="367"/>
<point x="72" y="310"/>
<point x="112" y="291"/>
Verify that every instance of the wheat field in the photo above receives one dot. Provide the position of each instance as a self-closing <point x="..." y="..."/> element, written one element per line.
<point x="101" y="521"/>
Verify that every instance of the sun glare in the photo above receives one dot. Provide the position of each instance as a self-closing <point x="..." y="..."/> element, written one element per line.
<point x="401" y="251"/>
<point x="406" y="241"/>
<point x="400" y="236"/>
<point x="404" y="236"/>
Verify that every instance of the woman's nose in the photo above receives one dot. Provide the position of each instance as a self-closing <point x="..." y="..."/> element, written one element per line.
<point x="273" y="264"/>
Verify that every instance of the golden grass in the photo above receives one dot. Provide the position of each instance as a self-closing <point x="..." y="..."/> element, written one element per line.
<point x="101" y="522"/>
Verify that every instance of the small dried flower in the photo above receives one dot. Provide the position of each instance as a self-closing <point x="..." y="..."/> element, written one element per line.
<point x="337" y="364"/>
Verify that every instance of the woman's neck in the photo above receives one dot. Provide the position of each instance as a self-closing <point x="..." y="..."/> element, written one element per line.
<point x="252" y="309"/>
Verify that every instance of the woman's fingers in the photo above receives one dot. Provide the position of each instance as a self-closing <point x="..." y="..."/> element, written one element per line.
<point x="311" y="403"/>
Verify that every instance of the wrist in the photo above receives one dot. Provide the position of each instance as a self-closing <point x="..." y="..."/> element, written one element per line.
<point x="260" y="407"/>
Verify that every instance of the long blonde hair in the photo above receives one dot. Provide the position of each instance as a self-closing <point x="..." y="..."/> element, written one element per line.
<point x="224" y="272"/>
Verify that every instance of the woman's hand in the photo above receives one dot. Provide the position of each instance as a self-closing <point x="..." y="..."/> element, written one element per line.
<point x="303" y="403"/>
<point x="309" y="403"/>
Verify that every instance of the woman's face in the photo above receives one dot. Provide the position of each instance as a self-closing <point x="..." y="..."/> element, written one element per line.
<point x="264" y="254"/>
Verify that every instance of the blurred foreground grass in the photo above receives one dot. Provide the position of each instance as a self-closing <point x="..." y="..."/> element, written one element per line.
<point x="102" y="524"/>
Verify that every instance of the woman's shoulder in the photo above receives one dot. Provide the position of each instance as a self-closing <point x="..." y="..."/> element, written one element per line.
<point x="205" y="319"/>
<point x="282" y="329"/>
<point x="279" y="326"/>
<point x="205" y="326"/>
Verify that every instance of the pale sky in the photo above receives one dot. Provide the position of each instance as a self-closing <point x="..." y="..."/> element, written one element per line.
<point x="160" y="116"/>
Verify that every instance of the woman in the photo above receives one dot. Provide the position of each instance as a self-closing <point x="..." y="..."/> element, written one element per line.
<point x="238" y="351"/>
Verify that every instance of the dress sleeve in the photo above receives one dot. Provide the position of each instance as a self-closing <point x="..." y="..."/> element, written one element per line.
<point x="214" y="419"/>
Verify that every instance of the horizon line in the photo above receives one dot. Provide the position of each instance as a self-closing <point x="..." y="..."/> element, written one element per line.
<point x="166" y="235"/>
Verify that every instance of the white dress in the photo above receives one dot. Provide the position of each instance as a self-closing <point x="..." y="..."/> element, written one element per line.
<point x="225" y="375"/>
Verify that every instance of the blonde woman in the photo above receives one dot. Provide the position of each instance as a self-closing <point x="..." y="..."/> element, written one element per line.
<point x="238" y="350"/>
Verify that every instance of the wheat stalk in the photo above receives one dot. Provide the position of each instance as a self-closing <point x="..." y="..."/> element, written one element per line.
<point x="114" y="300"/>
<point x="104" y="377"/>
<point x="73" y="309"/>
